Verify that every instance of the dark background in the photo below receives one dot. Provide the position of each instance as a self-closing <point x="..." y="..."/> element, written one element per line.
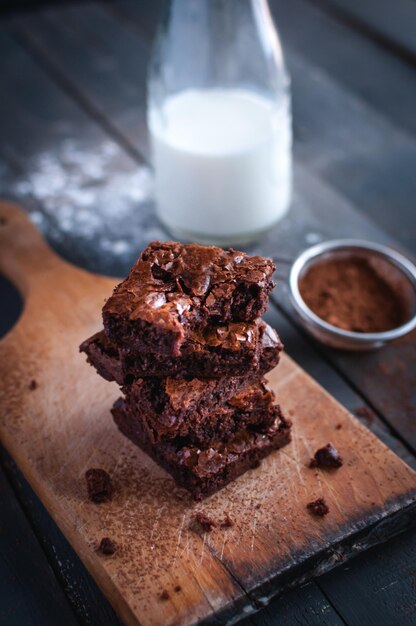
<point x="76" y="71"/>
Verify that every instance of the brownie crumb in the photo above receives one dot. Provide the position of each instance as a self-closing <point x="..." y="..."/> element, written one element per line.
<point x="177" y="589"/>
<point x="206" y="523"/>
<point x="328" y="456"/>
<point x="99" y="485"/>
<point x="227" y="522"/>
<point x="318" y="507"/>
<point x="33" y="385"/>
<point x="365" y="413"/>
<point x="164" y="595"/>
<point x="107" y="546"/>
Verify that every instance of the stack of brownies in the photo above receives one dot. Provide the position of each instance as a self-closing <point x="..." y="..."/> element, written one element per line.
<point x="184" y="339"/>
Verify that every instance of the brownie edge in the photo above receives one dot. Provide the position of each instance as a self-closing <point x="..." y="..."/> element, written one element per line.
<point x="200" y="361"/>
<point x="203" y="471"/>
<point x="212" y="414"/>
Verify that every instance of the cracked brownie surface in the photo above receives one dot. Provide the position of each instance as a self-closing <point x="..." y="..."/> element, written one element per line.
<point x="173" y="288"/>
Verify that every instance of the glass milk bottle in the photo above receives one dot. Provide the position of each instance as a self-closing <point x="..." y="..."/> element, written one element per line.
<point x="219" y="120"/>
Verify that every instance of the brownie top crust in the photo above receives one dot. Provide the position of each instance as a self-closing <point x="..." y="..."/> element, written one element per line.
<point x="173" y="287"/>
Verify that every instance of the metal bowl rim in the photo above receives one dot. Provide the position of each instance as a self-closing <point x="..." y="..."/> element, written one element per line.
<point x="396" y="258"/>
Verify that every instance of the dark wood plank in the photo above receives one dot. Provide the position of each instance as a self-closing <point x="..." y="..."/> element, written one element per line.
<point x="29" y="591"/>
<point x="392" y="24"/>
<point x="111" y="59"/>
<point x="388" y="599"/>
<point x="312" y="611"/>
<point x="345" y="144"/>
<point x="349" y="103"/>
<point x="377" y="76"/>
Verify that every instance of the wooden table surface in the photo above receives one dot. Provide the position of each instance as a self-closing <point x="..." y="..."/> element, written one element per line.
<point x="74" y="152"/>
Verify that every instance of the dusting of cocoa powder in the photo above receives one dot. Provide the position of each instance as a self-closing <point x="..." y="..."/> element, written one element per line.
<point x="350" y="294"/>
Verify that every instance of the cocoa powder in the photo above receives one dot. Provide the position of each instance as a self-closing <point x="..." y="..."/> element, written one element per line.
<point x="350" y="294"/>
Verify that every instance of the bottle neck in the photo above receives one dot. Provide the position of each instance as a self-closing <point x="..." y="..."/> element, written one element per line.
<point x="218" y="44"/>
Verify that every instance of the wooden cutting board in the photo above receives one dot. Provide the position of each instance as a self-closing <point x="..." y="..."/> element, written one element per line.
<point x="61" y="428"/>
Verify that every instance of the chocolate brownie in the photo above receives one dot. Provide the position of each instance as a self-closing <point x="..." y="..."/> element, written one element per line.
<point x="99" y="485"/>
<point x="224" y="351"/>
<point x="327" y="457"/>
<point x="174" y="288"/>
<point x="107" y="546"/>
<point x="170" y="409"/>
<point x="204" y="471"/>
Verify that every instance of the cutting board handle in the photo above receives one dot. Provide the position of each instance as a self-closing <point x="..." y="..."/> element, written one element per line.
<point x="25" y="257"/>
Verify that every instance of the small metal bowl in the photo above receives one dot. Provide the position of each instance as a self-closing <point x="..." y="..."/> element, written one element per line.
<point x="395" y="269"/>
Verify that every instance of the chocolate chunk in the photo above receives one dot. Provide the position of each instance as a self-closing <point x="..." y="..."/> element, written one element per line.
<point x="107" y="546"/>
<point x="318" y="507"/>
<point x="33" y="385"/>
<point x="326" y="457"/>
<point x="177" y="589"/>
<point x="206" y="523"/>
<point x="99" y="485"/>
<point x="164" y="595"/>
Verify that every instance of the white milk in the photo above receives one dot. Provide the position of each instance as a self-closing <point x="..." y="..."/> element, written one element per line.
<point x="223" y="163"/>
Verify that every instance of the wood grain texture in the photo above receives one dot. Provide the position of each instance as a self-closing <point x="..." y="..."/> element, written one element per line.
<point x="381" y="585"/>
<point x="61" y="428"/>
<point x="391" y="24"/>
